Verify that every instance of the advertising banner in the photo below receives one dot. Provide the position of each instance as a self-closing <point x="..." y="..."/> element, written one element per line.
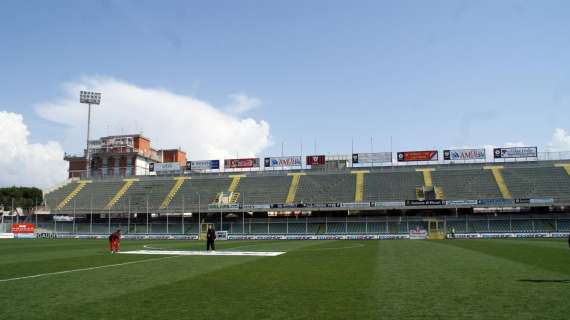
<point x="464" y="154"/>
<point x="389" y="204"/>
<point x="241" y="163"/>
<point x="418" y="234"/>
<point x="431" y="155"/>
<point x="495" y="202"/>
<point x="355" y="205"/>
<point x="203" y="165"/>
<point x="461" y="202"/>
<point x="315" y="160"/>
<point x="542" y="201"/>
<point x="425" y="202"/>
<point x="379" y="157"/>
<point x="283" y="162"/>
<point x="518" y="152"/>
<point x="23" y="228"/>
<point x="163" y="167"/>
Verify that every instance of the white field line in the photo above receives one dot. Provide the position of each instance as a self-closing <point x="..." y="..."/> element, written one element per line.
<point x="84" y="269"/>
<point x="146" y="246"/>
<point x="261" y="243"/>
<point x="208" y="253"/>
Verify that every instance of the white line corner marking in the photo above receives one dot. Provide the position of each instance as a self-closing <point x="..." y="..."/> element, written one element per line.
<point x="207" y="253"/>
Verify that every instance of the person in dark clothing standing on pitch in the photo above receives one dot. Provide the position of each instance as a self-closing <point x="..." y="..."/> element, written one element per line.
<point x="211" y="238"/>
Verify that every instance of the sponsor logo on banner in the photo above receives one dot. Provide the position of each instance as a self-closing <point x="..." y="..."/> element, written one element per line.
<point x="542" y="201"/>
<point x="389" y="204"/>
<point x="163" y="167"/>
<point x="241" y="163"/>
<point x="315" y="160"/>
<point x="495" y="202"/>
<point x="355" y="205"/>
<point x="379" y="157"/>
<point x="464" y="154"/>
<point x="23" y="228"/>
<point x="283" y="162"/>
<point x="461" y="202"/>
<point x="425" y="202"/>
<point x="6" y="236"/>
<point x="203" y="165"/>
<point x="418" y="234"/>
<point x="256" y="206"/>
<point x="431" y="155"/>
<point x="519" y="152"/>
<point x="522" y="201"/>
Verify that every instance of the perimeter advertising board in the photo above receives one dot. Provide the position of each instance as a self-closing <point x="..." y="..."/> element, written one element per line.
<point x="518" y="152"/>
<point x="292" y="161"/>
<point x="464" y="154"/>
<point x="315" y="160"/>
<point x="379" y="157"/>
<point x="23" y="228"/>
<point x="164" y="167"/>
<point x="429" y="155"/>
<point x="241" y="163"/>
<point x="203" y="165"/>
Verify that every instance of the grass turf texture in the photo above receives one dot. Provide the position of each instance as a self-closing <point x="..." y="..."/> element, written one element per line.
<point x="471" y="279"/>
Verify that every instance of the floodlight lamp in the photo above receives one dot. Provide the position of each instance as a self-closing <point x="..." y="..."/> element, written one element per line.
<point x="89" y="97"/>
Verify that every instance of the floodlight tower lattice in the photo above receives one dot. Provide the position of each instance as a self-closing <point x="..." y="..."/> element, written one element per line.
<point x="89" y="98"/>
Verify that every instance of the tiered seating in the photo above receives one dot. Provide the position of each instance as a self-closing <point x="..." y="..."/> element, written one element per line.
<point x="96" y="194"/>
<point x="202" y="189"/>
<point x="155" y="190"/>
<point x="320" y="188"/>
<point x="538" y="182"/>
<point x="458" y="182"/>
<point x="53" y="198"/>
<point x="391" y="186"/>
<point x="467" y="184"/>
<point x="264" y="189"/>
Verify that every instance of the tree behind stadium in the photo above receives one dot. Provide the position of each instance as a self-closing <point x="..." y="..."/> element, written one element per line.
<point x="20" y="197"/>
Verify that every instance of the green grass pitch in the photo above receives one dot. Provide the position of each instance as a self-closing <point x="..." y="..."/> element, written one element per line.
<point x="452" y="279"/>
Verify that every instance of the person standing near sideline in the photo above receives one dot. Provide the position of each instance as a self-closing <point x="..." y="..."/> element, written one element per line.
<point x="115" y="241"/>
<point x="210" y="239"/>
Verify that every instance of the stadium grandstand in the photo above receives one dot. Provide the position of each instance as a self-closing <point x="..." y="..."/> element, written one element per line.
<point x="158" y="192"/>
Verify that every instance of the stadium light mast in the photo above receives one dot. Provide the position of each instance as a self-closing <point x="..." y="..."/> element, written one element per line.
<point x="89" y="98"/>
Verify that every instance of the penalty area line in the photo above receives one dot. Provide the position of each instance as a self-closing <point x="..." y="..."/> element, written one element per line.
<point x="85" y="269"/>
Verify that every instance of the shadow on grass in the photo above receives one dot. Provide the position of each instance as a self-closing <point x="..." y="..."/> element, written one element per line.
<point x="545" y="280"/>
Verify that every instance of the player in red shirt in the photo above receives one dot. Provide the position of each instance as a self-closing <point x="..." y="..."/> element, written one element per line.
<point x="115" y="241"/>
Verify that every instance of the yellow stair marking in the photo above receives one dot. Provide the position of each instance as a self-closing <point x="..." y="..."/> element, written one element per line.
<point x="175" y="188"/>
<point x="439" y="193"/>
<point x="496" y="170"/>
<point x="428" y="182"/>
<point x="293" y="186"/>
<point x="420" y="194"/>
<point x="235" y="182"/>
<point x="234" y="197"/>
<point x="566" y="167"/>
<point x="359" y="192"/>
<point x="127" y="184"/>
<point x="73" y="193"/>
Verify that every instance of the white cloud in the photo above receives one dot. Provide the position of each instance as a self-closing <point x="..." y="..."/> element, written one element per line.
<point x="241" y="103"/>
<point x="168" y="119"/>
<point x="560" y="141"/>
<point x="26" y="164"/>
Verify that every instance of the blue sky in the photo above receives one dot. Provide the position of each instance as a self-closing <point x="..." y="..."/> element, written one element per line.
<point x="428" y="73"/>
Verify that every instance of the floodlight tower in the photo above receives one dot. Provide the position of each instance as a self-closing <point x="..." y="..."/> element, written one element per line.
<point x="89" y="98"/>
